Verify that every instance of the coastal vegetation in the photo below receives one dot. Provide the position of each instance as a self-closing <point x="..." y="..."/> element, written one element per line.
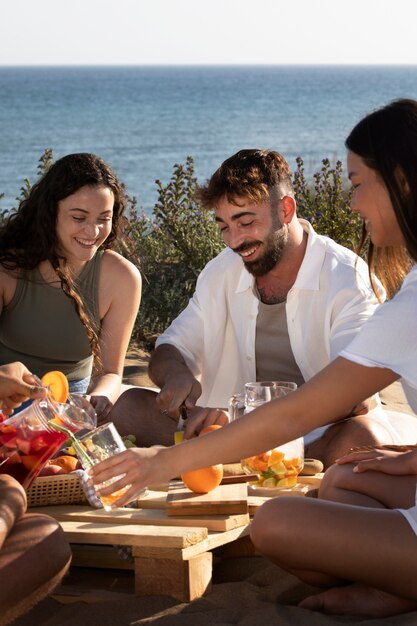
<point x="173" y="244"/>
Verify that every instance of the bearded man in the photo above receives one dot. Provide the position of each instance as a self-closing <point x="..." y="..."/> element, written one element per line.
<point x="279" y="303"/>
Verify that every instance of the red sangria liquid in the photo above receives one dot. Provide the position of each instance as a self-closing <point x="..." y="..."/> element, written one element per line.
<point x="28" y="439"/>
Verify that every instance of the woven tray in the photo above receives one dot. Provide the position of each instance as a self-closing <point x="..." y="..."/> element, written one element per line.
<point x="50" y="490"/>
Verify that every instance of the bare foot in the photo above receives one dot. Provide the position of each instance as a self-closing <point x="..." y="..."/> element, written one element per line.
<point x="358" y="600"/>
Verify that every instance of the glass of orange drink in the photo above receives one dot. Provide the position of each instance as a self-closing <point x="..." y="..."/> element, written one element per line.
<point x="100" y="444"/>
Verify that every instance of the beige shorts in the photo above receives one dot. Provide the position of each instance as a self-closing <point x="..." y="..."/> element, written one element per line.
<point x="411" y="515"/>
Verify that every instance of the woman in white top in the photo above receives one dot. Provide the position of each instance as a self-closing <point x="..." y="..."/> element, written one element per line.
<point x="361" y="546"/>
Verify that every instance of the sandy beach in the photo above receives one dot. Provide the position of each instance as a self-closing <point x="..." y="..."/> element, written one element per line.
<point x="248" y="590"/>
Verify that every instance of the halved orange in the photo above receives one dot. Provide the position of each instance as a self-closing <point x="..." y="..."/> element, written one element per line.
<point x="204" y="479"/>
<point x="209" y="429"/>
<point x="67" y="462"/>
<point x="57" y="384"/>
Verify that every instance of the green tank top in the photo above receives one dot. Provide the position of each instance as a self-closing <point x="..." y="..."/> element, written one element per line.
<point x="40" y="326"/>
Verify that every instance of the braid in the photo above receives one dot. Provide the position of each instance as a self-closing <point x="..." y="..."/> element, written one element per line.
<point x="67" y="285"/>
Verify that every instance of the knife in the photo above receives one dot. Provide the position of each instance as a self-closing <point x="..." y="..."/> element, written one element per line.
<point x="179" y="433"/>
<point x="183" y="417"/>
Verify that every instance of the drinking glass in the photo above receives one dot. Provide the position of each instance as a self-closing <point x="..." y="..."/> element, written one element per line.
<point x="97" y="445"/>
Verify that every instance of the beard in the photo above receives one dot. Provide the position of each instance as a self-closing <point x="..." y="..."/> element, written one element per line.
<point x="274" y="246"/>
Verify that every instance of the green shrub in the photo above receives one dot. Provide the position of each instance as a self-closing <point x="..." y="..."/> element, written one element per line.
<point x="172" y="247"/>
<point x="325" y="204"/>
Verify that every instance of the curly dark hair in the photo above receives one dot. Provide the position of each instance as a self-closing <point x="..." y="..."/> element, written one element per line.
<point x="28" y="235"/>
<point x="250" y="173"/>
<point x="386" y="140"/>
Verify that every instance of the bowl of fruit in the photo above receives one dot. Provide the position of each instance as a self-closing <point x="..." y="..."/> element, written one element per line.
<point x="277" y="468"/>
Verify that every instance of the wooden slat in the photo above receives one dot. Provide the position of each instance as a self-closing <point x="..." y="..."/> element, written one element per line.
<point x="135" y="535"/>
<point x="213" y="540"/>
<point x="225" y="499"/>
<point x="185" y="580"/>
<point x="128" y="516"/>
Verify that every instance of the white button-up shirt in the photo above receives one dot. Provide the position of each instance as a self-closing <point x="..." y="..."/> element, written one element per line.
<point x="327" y="305"/>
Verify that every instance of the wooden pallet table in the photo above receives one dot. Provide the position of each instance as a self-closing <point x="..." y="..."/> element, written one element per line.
<point x="171" y="536"/>
<point x="172" y="554"/>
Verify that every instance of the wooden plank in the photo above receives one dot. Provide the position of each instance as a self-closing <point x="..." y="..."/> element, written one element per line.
<point x="213" y="540"/>
<point x="135" y="535"/>
<point x="185" y="580"/>
<point x="128" y="516"/>
<point x="153" y="500"/>
<point x="229" y="499"/>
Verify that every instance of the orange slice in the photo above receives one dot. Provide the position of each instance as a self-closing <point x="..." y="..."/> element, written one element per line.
<point x="57" y="384"/>
<point x="30" y="461"/>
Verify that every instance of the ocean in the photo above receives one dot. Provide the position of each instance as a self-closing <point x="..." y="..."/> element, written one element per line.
<point x="143" y="120"/>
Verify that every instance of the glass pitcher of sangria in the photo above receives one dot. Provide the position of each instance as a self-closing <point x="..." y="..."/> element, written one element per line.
<point x="30" y="438"/>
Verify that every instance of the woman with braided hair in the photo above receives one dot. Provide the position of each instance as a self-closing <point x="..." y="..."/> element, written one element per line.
<point x="67" y="300"/>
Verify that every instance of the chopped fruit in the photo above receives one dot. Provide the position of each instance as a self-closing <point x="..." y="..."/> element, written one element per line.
<point x="287" y="482"/>
<point x="279" y="469"/>
<point x="23" y="444"/>
<point x="129" y="441"/>
<point x="269" y="482"/>
<point x="30" y="461"/>
<point x="178" y="436"/>
<point x="57" y="384"/>
<point x="276" y="457"/>
<point x="257" y="463"/>
<point x="275" y="469"/>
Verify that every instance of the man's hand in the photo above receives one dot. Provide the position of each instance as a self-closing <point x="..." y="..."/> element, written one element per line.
<point x="17" y="384"/>
<point x="201" y="417"/>
<point x="178" y="390"/>
<point x="169" y="371"/>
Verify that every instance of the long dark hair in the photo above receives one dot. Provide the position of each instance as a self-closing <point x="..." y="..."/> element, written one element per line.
<point x="28" y="236"/>
<point x="386" y="140"/>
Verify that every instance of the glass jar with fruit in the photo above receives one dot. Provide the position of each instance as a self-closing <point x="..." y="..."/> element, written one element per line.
<point x="277" y="468"/>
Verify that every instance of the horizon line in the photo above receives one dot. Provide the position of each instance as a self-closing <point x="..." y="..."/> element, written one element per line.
<point x="173" y="65"/>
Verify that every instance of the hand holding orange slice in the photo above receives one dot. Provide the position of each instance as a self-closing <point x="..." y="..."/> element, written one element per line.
<point x="57" y="384"/>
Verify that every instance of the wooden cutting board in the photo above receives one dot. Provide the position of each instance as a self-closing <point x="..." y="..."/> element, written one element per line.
<point x="225" y="499"/>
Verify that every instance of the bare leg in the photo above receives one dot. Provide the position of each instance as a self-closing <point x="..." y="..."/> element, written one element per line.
<point x="33" y="560"/>
<point x="361" y="430"/>
<point x="372" y="489"/>
<point x="327" y="544"/>
<point x="136" y="413"/>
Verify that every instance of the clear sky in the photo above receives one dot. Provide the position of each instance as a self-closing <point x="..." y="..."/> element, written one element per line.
<point x="136" y="32"/>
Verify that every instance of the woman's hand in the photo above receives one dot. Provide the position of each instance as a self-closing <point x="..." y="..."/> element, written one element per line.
<point x="385" y="461"/>
<point x="17" y="384"/>
<point x="136" y="468"/>
<point x="102" y="406"/>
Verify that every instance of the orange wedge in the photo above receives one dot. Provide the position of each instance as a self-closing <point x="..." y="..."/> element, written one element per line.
<point x="57" y="384"/>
